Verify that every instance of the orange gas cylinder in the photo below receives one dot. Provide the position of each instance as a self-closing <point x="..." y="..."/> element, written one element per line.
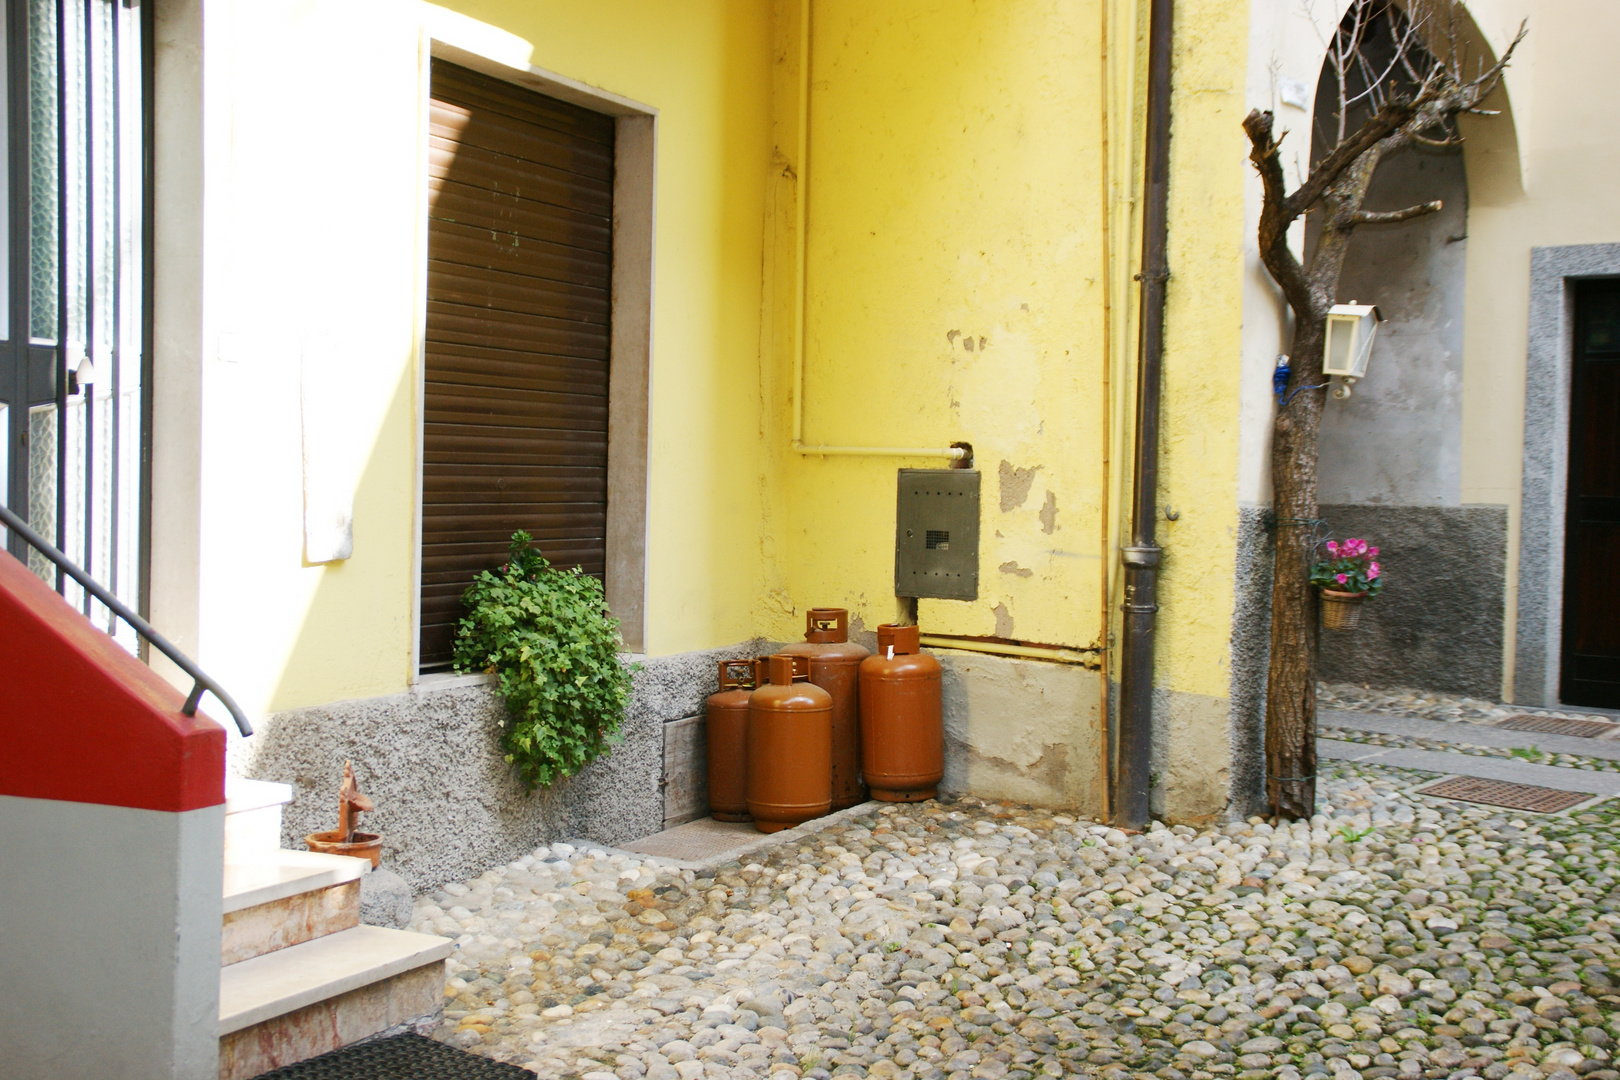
<point x="902" y="718"/>
<point x="725" y="735"/>
<point x="835" y="666"/>
<point x="789" y="748"/>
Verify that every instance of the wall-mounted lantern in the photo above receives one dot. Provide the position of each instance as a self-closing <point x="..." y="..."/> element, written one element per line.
<point x="1348" y="343"/>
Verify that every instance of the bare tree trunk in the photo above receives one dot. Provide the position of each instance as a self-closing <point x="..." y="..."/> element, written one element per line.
<point x="1335" y="189"/>
<point x="1291" y="679"/>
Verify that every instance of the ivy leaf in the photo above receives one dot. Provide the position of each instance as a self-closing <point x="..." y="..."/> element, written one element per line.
<point x="554" y="648"/>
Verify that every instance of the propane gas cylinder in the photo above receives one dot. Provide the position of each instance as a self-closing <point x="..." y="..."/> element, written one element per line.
<point x="726" y="737"/>
<point x="789" y="747"/>
<point x="835" y="666"/>
<point x="902" y="718"/>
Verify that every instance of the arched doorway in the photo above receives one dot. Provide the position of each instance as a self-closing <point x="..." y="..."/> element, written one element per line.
<point x="1392" y="454"/>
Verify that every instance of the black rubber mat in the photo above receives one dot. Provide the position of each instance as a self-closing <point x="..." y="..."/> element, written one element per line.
<point x="402" y="1057"/>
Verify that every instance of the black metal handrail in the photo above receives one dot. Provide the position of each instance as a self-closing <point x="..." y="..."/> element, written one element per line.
<point x="200" y="681"/>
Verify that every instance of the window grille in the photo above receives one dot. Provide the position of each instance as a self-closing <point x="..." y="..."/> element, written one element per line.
<point x="73" y="318"/>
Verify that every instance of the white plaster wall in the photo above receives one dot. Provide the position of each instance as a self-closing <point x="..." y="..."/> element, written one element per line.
<point x="111" y="940"/>
<point x="1565" y="113"/>
<point x="1397" y="440"/>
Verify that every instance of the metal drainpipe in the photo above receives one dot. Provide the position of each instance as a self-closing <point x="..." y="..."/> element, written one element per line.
<point x="1132" y="806"/>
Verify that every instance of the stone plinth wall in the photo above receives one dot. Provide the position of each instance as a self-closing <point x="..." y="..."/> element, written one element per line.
<point x="1438" y="623"/>
<point x="448" y="804"/>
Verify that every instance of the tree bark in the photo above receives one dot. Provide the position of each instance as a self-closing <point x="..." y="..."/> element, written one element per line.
<point x="1291" y="677"/>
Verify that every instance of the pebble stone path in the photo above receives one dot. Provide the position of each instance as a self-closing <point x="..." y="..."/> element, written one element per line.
<point x="1389" y="936"/>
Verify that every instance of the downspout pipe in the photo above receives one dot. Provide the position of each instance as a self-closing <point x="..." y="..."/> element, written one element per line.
<point x="1132" y="798"/>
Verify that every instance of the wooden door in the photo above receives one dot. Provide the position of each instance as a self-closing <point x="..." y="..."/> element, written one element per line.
<point x="520" y="243"/>
<point x="1591" y="644"/>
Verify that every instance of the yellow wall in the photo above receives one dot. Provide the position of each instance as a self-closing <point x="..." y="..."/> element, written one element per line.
<point x="1203" y="331"/>
<point x="972" y="171"/>
<point x="956" y="189"/>
<point x="955" y="260"/>
<point x="314" y="237"/>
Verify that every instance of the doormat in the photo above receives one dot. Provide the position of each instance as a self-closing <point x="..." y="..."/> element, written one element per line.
<point x="1552" y="725"/>
<point x="401" y="1057"/>
<point x="1539" y="800"/>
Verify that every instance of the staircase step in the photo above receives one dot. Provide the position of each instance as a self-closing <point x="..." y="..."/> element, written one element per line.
<point x="263" y="877"/>
<point x="253" y="816"/>
<point x="276" y="983"/>
<point x="283" y="898"/>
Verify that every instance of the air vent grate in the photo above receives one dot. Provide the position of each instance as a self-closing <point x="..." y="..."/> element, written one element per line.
<point x="1529" y="797"/>
<point x="1553" y="725"/>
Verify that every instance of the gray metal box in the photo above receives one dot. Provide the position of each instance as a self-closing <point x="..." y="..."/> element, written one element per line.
<point x="936" y="534"/>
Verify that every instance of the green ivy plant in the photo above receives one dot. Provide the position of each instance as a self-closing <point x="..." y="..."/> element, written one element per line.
<point x="547" y="637"/>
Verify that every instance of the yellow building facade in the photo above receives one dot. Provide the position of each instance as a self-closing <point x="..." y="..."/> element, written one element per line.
<point x="839" y="227"/>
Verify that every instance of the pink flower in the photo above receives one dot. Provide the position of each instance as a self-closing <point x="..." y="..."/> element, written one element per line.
<point x="1373" y="571"/>
<point x="1332" y="547"/>
<point x="1341" y="578"/>
<point x="1372" y="553"/>
<point x="1354" y="547"/>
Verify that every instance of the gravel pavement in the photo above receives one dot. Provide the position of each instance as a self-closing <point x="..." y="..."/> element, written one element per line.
<point x="1390" y="936"/>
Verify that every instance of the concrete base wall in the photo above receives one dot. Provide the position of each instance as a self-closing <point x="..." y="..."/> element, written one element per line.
<point x="1192" y="755"/>
<point x="111" y="922"/>
<point x="448" y="804"/>
<point x="1251" y="656"/>
<point x="1438" y="624"/>
<point x="1024" y="730"/>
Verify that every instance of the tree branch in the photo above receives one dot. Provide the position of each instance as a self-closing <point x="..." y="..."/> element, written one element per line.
<point x="1274" y="250"/>
<point x="1438" y="144"/>
<point x="1372" y="217"/>
<point x="1383" y="122"/>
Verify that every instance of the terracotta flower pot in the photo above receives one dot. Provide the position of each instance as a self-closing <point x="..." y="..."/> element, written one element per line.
<point x="364" y="846"/>
<point x="1341" y="610"/>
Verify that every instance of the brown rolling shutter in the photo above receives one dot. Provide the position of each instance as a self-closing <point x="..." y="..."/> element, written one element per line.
<point x="520" y="243"/>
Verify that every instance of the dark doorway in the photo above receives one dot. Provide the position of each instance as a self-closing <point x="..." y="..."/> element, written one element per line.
<point x="1591" y="642"/>
<point x="520" y="244"/>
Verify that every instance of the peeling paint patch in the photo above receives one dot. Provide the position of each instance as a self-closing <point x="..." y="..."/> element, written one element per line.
<point x="1004" y="623"/>
<point x="1049" y="514"/>
<point x="1015" y="485"/>
<point x="1014" y="568"/>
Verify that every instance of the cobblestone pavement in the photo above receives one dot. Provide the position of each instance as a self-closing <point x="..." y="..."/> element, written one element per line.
<point x="1388" y="937"/>
<point x="1428" y="705"/>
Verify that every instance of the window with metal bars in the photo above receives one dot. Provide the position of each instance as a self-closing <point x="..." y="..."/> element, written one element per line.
<point x="74" y="340"/>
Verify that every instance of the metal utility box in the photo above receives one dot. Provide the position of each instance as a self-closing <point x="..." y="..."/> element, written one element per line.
<point x="936" y="534"/>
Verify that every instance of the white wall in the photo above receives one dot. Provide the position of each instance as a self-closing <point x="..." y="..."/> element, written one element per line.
<point x="110" y="944"/>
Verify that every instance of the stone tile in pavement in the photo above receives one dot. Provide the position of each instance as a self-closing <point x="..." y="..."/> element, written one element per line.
<point x="1489" y="768"/>
<point x="1475" y="735"/>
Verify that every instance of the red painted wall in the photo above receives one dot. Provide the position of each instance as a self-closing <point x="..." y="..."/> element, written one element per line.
<point x="83" y="721"/>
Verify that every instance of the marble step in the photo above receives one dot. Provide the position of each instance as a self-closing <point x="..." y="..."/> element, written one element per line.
<point x="282" y="982"/>
<point x="280" y="898"/>
<point x="304" y="1000"/>
<point x="253" y="816"/>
